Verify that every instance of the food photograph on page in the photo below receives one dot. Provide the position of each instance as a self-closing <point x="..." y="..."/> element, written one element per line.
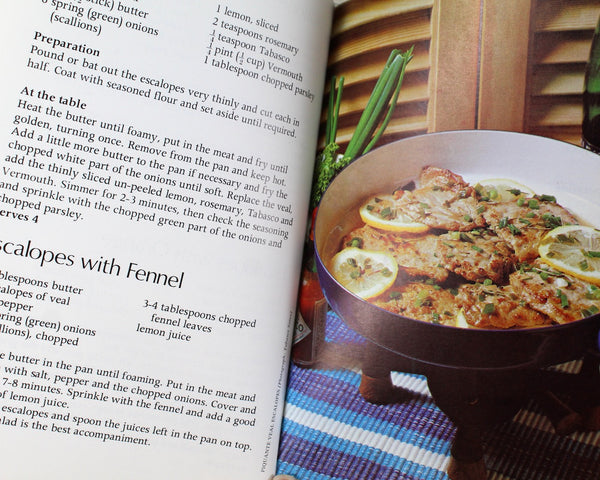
<point x="449" y="312"/>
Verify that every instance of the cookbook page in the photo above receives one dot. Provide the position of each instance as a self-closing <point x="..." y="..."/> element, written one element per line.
<point x="405" y="330"/>
<point x="156" y="162"/>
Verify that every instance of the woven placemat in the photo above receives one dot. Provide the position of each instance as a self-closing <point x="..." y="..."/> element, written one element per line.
<point x="330" y="432"/>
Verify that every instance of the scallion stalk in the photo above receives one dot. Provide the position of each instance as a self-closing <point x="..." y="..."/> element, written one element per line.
<point x="384" y="95"/>
<point x="371" y="125"/>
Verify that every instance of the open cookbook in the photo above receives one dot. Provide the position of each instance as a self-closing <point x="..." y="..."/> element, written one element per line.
<point x="194" y="194"/>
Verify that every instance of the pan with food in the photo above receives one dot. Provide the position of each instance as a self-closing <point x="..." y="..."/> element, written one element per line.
<point x="470" y="249"/>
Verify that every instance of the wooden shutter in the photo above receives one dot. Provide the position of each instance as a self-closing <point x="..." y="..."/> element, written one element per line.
<point x="491" y="64"/>
<point x="561" y="33"/>
<point x="364" y="33"/>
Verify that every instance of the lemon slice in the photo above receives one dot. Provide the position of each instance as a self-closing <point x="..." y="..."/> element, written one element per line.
<point x="461" y="320"/>
<point x="365" y="273"/>
<point x="381" y="212"/>
<point x="573" y="249"/>
<point x="503" y="189"/>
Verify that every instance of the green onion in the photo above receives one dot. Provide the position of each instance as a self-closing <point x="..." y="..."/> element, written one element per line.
<point x="371" y="125"/>
<point x="514" y="230"/>
<point x="551" y="221"/>
<point x="564" y="301"/>
<point x="588" y="312"/>
<point x="566" y="239"/>
<point x="593" y="293"/>
<point x="488" y="309"/>
<point x="384" y="95"/>
<point x="386" y="212"/>
<point x="355" y="242"/>
<point x="422" y="298"/>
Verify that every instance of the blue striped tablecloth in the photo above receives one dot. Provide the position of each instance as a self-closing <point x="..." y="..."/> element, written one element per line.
<point x="330" y="432"/>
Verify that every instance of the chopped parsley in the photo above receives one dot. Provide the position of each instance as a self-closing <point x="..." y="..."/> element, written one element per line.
<point x="489" y="309"/>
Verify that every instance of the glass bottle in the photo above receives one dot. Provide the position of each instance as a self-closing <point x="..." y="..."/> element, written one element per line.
<point x="309" y="335"/>
<point x="591" y="97"/>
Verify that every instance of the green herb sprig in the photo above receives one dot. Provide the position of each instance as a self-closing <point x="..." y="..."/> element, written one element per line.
<point x="371" y="125"/>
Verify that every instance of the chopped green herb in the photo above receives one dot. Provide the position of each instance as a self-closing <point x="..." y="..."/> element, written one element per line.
<point x="514" y="230"/>
<point x="564" y="301"/>
<point x="488" y="309"/>
<point x="566" y="239"/>
<point x="547" y="198"/>
<point x="355" y="242"/>
<point x="386" y="212"/>
<point x="551" y="221"/>
<point x="422" y="299"/>
<point x="593" y="293"/>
